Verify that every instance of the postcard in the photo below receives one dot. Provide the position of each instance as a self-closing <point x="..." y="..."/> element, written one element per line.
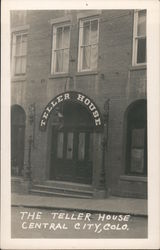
<point x="80" y="125"/>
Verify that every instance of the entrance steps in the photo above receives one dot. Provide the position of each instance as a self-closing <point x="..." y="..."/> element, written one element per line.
<point x="62" y="189"/>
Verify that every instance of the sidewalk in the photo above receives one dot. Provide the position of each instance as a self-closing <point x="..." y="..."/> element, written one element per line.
<point x="108" y="205"/>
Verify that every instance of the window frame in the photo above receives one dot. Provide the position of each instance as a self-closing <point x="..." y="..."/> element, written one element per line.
<point x="136" y="37"/>
<point x="129" y="171"/>
<point x="81" y="24"/>
<point x="54" y="48"/>
<point x="14" y="56"/>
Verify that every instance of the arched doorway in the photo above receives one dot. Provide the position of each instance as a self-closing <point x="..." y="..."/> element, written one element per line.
<point x="136" y="146"/>
<point x="18" y="118"/>
<point x="71" y="143"/>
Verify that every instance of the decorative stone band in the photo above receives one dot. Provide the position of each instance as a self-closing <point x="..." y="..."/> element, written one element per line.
<point x="76" y="97"/>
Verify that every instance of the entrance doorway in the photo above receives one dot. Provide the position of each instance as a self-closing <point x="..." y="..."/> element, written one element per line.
<point x="72" y="144"/>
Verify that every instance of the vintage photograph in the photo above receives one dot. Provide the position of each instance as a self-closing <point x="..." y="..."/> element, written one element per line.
<point x="79" y="123"/>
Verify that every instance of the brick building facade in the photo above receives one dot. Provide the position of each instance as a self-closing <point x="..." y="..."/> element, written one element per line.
<point x="78" y="94"/>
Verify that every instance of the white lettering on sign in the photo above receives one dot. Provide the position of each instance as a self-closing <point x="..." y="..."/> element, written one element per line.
<point x="80" y="97"/>
<point x="91" y="107"/>
<point x="73" y="96"/>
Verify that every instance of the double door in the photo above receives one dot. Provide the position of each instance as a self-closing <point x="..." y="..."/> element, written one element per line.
<point x="71" y="155"/>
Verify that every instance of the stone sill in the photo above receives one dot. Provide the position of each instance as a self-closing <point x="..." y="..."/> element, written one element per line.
<point x="59" y="76"/>
<point x="138" y="67"/>
<point x="86" y="73"/>
<point x="133" y="178"/>
<point x="18" y="78"/>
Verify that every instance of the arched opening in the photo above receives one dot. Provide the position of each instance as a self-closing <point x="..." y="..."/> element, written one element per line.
<point x="71" y="143"/>
<point x="18" y="118"/>
<point x="136" y="143"/>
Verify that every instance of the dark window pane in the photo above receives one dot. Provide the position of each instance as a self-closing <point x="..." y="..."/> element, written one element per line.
<point x="141" y="50"/>
<point x="70" y="145"/>
<point x="138" y="138"/>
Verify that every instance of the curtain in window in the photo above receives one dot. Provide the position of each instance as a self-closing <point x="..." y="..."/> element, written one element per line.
<point x="86" y="57"/>
<point x="86" y="31"/>
<point x="23" y="64"/>
<point x="62" y="49"/>
<point x="24" y="45"/>
<point x="66" y="48"/>
<point x="85" y="46"/>
<point x="89" y="49"/>
<point x="20" y="54"/>
<point x="18" y="45"/>
<point x="18" y="65"/>
<point x="94" y="48"/>
<point x="59" y="60"/>
<point x="59" y="38"/>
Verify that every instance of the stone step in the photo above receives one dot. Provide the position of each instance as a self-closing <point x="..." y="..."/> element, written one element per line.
<point x="59" y="194"/>
<point x="66" y="185"/>
<point x="63" y="189"/>
<point x="69" y="189"/>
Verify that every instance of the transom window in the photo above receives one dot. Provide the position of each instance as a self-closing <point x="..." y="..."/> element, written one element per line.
<point x="19" y="53"/>
<point x="88" y="44"/>
<point x="60" y="49"/>
<point x="139" y="39"/>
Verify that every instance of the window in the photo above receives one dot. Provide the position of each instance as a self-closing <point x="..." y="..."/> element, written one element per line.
<point x="139" y="42"/>
<point x="60" y="49"/>
<point x="18" y="118"/>
<point x="136" y="147"/>
<point x="19" y="53"/>
<point x="88" y="44"/>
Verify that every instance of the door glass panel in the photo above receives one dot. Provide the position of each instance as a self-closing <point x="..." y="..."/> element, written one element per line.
<point x="91" y="147"/>
<point x="70" y="145"/>
<point x="81" y="146"/>
<point x="60" y="139"/>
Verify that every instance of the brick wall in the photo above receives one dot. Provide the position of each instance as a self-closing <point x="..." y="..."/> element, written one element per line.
<point x="115" y="79"/>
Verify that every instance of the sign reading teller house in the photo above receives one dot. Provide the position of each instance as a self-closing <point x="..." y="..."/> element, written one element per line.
<point x="76" y="97"/>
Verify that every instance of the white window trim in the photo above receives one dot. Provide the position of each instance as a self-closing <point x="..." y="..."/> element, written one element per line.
<point x="135" y="39"/>
<point x="16" y="32"/>
<point x="54" y="31"/>
<point x="81" y="21"/>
